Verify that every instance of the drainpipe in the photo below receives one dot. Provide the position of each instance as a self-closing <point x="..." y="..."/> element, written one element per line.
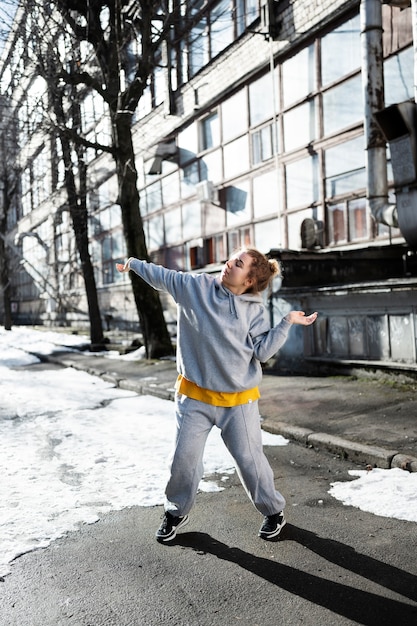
<point x="414" y="22"/>
<point x="373" y="92"/>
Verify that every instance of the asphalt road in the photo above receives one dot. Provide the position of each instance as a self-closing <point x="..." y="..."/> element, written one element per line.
<point x="335" y="565"/>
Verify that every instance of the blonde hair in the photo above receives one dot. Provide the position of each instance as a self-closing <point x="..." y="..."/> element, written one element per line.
<point x="262" y="270"/>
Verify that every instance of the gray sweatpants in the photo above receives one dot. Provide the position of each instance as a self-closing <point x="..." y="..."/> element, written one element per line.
<point x="241" y="432"/>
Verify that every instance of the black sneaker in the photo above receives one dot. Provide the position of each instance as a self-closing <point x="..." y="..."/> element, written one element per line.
<point x="170" y="525"/>
<point x="272" y="526"/>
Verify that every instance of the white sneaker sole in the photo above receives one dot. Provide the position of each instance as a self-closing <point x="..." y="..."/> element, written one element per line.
<point x="170" y="537"/>
<point x="274" y="534"/>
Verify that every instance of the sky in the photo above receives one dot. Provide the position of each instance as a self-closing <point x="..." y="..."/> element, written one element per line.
<point x="68" y="458"/>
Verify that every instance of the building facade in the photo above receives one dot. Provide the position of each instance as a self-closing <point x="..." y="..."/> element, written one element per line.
<point x="252" y="131"/>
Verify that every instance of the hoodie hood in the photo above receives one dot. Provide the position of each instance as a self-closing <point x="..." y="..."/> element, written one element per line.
<point x="244" y="297"/>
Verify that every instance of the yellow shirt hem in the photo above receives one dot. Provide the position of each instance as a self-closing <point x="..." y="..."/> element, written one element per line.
<point x="215" y="398"/>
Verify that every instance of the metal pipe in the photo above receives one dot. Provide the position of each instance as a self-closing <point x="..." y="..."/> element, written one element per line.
<point x="414" y="22"/>
<point x="373" y="94"/>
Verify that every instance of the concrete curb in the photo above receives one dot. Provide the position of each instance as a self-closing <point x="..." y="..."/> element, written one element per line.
<point x="360" y="453"/>
<point x="347" y="449"/>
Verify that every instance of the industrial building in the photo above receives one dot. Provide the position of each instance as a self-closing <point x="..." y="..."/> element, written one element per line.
<point x="288" y="125"/>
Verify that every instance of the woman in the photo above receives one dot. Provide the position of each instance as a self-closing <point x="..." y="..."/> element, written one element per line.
<point x="224" y="335"/>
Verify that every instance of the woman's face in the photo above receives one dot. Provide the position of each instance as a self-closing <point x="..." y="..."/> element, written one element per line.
<point x="234" y="274"/>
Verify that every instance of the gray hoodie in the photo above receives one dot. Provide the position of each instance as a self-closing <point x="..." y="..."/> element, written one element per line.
<point x="222" y="338"/>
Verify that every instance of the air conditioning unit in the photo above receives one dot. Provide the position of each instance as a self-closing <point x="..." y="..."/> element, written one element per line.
<point x="206" y="192"/>
<point x="311" y="234"/>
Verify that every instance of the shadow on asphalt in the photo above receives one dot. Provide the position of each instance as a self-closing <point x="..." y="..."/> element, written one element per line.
<point x="364" y="607"/>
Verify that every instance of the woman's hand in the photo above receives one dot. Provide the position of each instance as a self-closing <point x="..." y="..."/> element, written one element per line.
<point x="123" y="267"/>
<point x="299" y="317"/>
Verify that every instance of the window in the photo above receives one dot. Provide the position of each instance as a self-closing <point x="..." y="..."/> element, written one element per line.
<point x="234" y="116"/>
<point x="261" y="101"/>
<point x="191" y="220"/>
<point x="267" y="235"/>
<point x="173" y="229"/>
<point x="198" y="52"/>
<point x="187" y="142"/>
<point x="170" y="188"/>
<point x="221" y="26"/>
<point x="246" y="12"/>
<point x="189" y="178"/>
<point x="26" y="192"/>
<point x="343" y="105"/>
<point x="302" y="182"/>
<point x="264" y="143"/>
<point x="359" y="221"/>
<point x="265" y="194"/>
<point x="210" y="132"/>
<point x="113" y="250"/>
<point x="154" y="197"/>
<point x="349" y="221"/>
<point x="156" y="237"/>
<point x="236" y="157"/>
<point x="211" y="166"/>
<point x="299" y="126"/>
<point x="299" y="76"/>
<point x="238" y="204"/>
<point x="341" y="51"/>
<point x="345" y="167"/>
<point x="215" y="249"/>
<point x="239" y="238"/>
<point x="398" y="77"/>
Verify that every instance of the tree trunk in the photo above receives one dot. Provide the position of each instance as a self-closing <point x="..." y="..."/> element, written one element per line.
<point x="153" y="325"/>
<point x="78" y="211"/>
<point x="5" y="284"/>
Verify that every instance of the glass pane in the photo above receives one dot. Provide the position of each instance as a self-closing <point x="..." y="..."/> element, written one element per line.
<point x="345" y="167"/>
<point x="198" y="47"/>
<point x="341" y="51"/>
<point x="264" y="143"/>
<point x="294" y="221"/>
<point x="299" y="126"/>
<point x="154" y="197"/>
<point x="211" y="166"/>
<point x="342" y="105"/>
<point x="246" y="12"/>
<point x="358" y="220"/>
<point x="234" y="116"/>
<point x="236" y="157"/>
<point x="267" y="235"/>
<point x="221" y="26"/>
<point x="336" y="223"/>
<point x="119" y="246"/>
<point x="155" y="232"/>
<point x="238" y="204"/>
<point x="210" y="132"/>
<point x="261" y="102"/>
<point x="172" y="226"/>
<point x="188" y="144"/>
<point x="191" y="221"/>
<point x="398" y="77"/>
<point x="298" y="76"/>
<point x="265" y="194"/>
<point x="302" y="182"/>
<point x="170" y="188"/>
<point x="189" y="178"/>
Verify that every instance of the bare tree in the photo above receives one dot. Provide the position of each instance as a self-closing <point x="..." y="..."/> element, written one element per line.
<point x="108" y="28"/>
<point x="8" y="185"/>
<point x="76" y="194"/>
